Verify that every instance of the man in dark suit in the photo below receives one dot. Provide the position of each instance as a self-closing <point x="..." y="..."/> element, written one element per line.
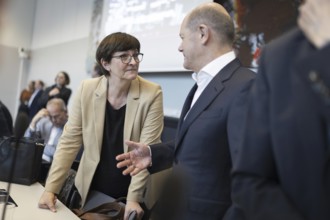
<point x="33" y="104"/>
<point x="200" y="151"/>
<point x="282" y="171"/>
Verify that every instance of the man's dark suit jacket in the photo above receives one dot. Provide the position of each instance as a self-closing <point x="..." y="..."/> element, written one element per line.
<point x="64" y="94"/>
<point x="201" y="150"/>
<point x="35" y="105"/>
<point x="282" y="171"/>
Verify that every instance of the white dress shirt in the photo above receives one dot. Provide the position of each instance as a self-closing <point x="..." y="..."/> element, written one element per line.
<point x="206" y="74"/>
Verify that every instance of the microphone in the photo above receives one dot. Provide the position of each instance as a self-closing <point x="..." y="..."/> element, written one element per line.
<point x="19" y="130"/>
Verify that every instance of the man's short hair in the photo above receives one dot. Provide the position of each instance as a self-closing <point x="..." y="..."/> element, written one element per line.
<point x="57" y="101"/>
<point x="217" y="18"/>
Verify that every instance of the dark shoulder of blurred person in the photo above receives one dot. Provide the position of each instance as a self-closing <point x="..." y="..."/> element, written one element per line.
<point x="6" y="121"/>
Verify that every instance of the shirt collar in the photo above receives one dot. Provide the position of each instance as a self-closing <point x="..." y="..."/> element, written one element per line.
<point x="213" y="68"/>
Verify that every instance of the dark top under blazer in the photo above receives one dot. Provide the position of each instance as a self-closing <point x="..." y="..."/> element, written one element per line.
<point x="201" y="146"/>
<point x="282" y="170"/>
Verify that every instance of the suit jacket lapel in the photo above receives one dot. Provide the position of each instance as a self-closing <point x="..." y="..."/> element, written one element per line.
<point x="186" y="105"/>
<point x="99" y="102"/>
<point x="212" y="90"/>
<point x="131" y="109"/>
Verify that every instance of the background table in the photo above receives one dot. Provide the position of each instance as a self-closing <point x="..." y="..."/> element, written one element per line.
<point x="27" y="197"/>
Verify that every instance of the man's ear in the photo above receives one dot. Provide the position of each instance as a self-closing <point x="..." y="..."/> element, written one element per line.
<point x="204" y="33"/>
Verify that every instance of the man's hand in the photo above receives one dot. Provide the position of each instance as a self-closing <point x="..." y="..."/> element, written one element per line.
<point x="137" y="159"/>
<point x="48" y="201"/>
<point x="314" y="21"/>
<point x="42" y="113"/>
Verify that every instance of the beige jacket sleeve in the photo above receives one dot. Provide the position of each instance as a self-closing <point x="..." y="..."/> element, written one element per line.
<point x="146" y="127"/>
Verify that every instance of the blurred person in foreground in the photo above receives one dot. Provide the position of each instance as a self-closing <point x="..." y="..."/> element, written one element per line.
<point x="282" y="170"/>
<point x="106" y="111"/>
<point x="6" y="121"/>
<point x="200" y="153"/>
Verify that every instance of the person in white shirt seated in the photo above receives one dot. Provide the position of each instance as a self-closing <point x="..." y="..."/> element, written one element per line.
<point x="48" y="125"/>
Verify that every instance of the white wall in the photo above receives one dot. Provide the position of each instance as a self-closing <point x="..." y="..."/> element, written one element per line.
<point x="60" y="40"/>
<point x="16" y="31"/>
<point x="17" y="25"/>
<point x="61" y="21"/>
<point x="176" y="86"/>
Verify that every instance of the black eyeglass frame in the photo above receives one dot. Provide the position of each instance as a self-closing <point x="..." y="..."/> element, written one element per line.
<point x="126" y="58"/>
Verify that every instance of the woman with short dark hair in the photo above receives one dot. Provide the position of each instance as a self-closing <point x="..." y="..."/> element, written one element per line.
<point x="107" y="110"/>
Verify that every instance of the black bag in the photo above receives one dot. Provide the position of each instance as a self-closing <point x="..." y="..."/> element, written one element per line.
<point x="27" y="162"/>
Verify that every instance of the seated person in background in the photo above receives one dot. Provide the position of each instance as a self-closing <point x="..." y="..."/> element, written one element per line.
<point x="33" y="103"/>
<point x="22" y="117"/>
<point x="6" y="121"/>
<point x="48" y="125"/>
<point x="26" y="93"/>
<point x="107" y="110"/>
<point x="58" y="90"/>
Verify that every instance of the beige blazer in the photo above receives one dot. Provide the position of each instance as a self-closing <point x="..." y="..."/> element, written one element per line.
<point x="143" y="123"/>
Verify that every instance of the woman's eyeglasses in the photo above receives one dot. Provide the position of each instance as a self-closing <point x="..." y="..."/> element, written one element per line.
<point x="126" y="58"/>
